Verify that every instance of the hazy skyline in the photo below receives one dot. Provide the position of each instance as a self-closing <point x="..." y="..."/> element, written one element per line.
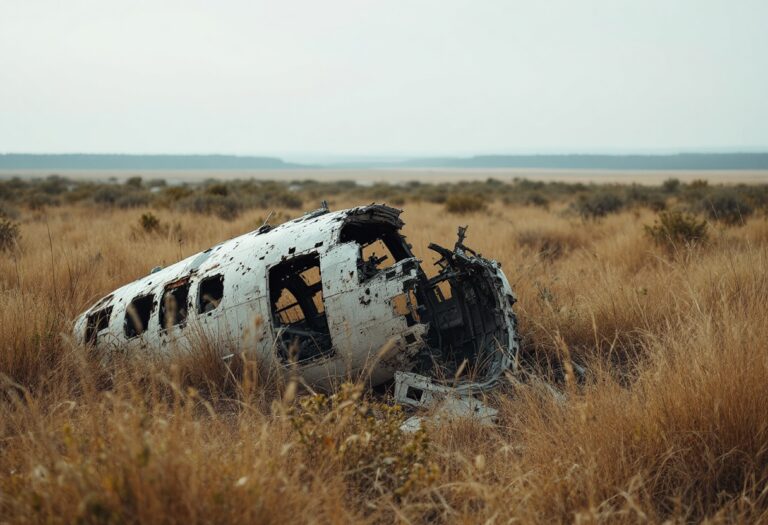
<point x="382" y="78"/>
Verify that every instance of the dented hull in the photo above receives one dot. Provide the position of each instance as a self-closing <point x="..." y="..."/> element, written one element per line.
<point x="330" y="295"/>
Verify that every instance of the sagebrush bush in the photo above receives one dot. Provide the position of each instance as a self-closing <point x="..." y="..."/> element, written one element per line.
<point x="670" y="185"/>
<point x="464" y="203"/>
<point x="134" y="199"/>
<point x="225" y="207"/>
<point x="172" y="194"/>
<point x="10" y="233"/>
<point x="537" y="199"/>
<point x="292" y="201"/>
<point x="728" y="207"/>
<point x="149" y="223"/>
<point x="217" y="189"/>
<point x="107" y="195"/>
<point x="40" y="201"/>
<point x="134" y="182"/>
<point x="675" y="229"/>
<point x="650" y="197"/>
<point x="597" y="205"/>
<point x="364" y="440"/>
<point x="156" y="183"/>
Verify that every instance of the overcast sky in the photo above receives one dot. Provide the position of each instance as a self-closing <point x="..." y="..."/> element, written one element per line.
<point x="388" y="77"/>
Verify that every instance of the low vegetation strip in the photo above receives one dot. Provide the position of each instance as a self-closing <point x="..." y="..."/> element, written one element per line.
<point x="227" y="199"/>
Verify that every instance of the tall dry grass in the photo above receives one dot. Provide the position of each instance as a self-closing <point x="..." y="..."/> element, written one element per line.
<point x="669" y="423"/>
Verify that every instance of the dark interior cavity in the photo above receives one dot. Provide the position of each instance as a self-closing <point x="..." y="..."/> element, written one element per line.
<point x="381" y="246"/>
<point x="210" y="294"/>
<point x="466" y="322"/>
<point x="296" y="299"/>
<point x="461" y="304"/>
<point x="137" y="315"/>
<point x="175" y="304"/>
<point x="96" y="322"/>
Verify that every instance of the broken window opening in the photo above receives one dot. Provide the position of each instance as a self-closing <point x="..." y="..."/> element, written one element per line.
<point x="97" y="321"/>
<point x="298" y="311"/>
<point x="210" y="293"/>
<point x="175" y="304"/>
<point x="406" y="305"/>
<point x="414" y="393"/>
<point x="465" y="316"/>
<point x="443" y="291"/>
<point x="381" y="246"/>
<point x="137" y="315"/>
<point x="288" y="308"/>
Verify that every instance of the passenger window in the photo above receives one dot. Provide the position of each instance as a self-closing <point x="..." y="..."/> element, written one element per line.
<point x="376" y="256"/>
<point x="97" y="321"/>
<point x="173" y="307"/>
<point x="137" y="315"/>
<point x="296" y="299"/>
<point x="381" y="246"/>
<point x="210" y="294"/>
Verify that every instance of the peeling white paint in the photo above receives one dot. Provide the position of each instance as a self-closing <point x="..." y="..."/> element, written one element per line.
<point x="437" y="345"/>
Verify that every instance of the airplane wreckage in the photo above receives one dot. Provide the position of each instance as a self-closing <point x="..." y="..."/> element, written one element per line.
<point x="329" y="295"/>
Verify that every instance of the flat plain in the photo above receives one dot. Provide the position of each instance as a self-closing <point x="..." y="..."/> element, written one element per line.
<point x="367" y="176"/>
<point x="659" y="292"/>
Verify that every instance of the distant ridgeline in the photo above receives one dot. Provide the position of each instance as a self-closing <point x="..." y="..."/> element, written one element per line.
<point x="84" y="161"/>
<point x="681" y="161"/>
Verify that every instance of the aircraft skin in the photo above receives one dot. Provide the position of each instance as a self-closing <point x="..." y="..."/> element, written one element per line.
<point x="235" y="293"/>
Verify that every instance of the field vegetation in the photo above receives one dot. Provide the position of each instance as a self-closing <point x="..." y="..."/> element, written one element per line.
<point x="660" y="294"/>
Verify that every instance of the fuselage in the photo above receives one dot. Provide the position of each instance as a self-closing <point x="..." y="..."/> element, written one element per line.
<point x="323" y="293"/>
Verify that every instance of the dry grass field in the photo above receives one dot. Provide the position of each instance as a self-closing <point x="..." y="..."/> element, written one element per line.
<point x="669" y="423"/>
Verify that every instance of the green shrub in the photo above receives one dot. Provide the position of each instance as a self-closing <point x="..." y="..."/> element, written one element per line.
<point x="9" y="234"/>
<point x="673" y="229"/>
<point x="133" y="182"/>
<point x="133" y="199"/>
<point x="172" y="194"/>
<point x="227" y="208"/>
<point x="156" y="183"/>
<point x="149" y="223"/>
<point x="728" y="208"/>
<point x="217" y="189"/>
<point x="756" y="196"/>
<point x="434" y="193"/>
<point x="39" y="201"/>
<point x="537" y="199"/>
<point x="647" y="196"/>
<point x="657" y="204"/>
<point x="458" y="203"/>
<point x="80" y="192"/>
<point x="597" y="205"/>
<point x="363" y="440"/>
<point x="671" y="185"/>
<point x="53" y="185"/>
<point x="289" y="200"/>
<point x="107" y="195"/>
